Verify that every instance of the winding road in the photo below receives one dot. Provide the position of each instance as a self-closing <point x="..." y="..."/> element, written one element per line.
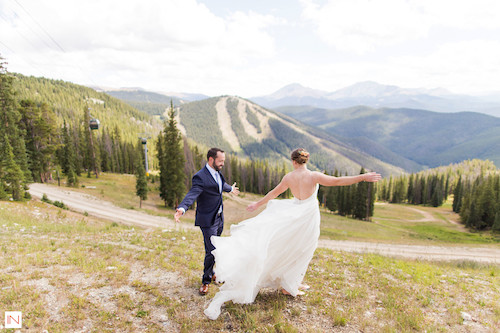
<point x="93" y="206"/>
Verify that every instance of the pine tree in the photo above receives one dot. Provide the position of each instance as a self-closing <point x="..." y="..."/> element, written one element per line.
<point x="372" y="196"/>
<point x="457" y="196"/>
<point x="14" y="172"/>
<point x="474" y="218"/>
<point x="116" y="139"/>
<point x="487" y="204"/>
<point x="10" y="172"/>
<point x="417" y="191"/>
<point x="496" y="224"/>
<point x="437" y="192"/>
<point x="447" y="187"/>
<point x="425" y="190"/>
<point x="361" y="207"/>
<point x="389" y="191"/>
<point x="172" y="169"/>
<point x="72" y="178"/>
<point x="410" y="194"/>
<point x="3" y="194"/>
<point x="141" y="185"/>
<point x="39" y="126"/>
<point x="333" y="194"/>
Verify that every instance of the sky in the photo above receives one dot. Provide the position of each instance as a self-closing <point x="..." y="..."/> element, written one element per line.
<point x="252" y="48"/>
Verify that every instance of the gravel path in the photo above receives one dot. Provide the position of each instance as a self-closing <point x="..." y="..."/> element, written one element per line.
<point x="81" y="202"/>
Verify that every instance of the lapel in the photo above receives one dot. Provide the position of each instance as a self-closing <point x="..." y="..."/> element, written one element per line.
<point x="209" y="175"/>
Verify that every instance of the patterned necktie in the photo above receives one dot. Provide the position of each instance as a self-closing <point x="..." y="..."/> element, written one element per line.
<point x="219" y="182"/>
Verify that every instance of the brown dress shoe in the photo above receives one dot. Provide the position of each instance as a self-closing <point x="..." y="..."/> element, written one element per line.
<point x="203" y="289"/>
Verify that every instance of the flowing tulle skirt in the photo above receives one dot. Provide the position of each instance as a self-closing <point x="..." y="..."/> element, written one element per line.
<point x="271" y="250"/>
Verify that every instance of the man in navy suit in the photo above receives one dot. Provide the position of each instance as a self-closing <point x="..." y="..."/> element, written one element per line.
<point x="208" y="184"/>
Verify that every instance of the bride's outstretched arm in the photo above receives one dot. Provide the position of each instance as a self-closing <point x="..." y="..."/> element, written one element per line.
<point x="345" y="180"/>
<point x="280" y="188"/>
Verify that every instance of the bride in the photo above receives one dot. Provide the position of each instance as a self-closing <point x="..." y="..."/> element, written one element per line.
<point x="273" y="249"/>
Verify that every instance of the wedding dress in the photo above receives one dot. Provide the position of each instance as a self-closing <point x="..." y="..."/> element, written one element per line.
<point x="271" y="250"/>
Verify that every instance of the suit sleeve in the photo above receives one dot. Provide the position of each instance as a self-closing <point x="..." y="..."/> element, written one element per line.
<point x="193" y="193"/>
<point x="226" y="187"/>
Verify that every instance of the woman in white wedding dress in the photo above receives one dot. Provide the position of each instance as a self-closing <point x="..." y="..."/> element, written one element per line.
<point x="273" y="249"/>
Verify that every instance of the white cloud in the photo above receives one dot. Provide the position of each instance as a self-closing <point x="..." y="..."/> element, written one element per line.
<point x="462" y="14"/>
<point x="462" y="67"/>
<point x="181" y="45"/>
<point x="363" y="25"/>
<point x="134" y="42"/>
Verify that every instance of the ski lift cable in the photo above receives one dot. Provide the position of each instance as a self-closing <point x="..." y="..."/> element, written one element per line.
<point x="40" y="26"/>
<point x="49" y="36"/>
<point x="23" y="59"/>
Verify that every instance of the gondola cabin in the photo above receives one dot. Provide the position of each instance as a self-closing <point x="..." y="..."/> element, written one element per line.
<point x="144" y="141"/>
<point x="94" y="124"/>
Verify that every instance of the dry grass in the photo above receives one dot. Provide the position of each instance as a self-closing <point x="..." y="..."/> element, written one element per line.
<point x="67" y="272"/>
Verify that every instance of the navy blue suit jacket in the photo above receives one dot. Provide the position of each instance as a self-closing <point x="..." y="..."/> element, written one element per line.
<point x="205" y="191"/>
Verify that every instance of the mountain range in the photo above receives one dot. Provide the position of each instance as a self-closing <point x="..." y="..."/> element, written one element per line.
<point x="429" y="139"/>
<point x="407" y="138"/>
<point x="376" y="95"/>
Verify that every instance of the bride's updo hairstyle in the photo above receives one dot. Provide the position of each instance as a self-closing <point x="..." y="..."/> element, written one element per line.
<point x="300" y="156"/>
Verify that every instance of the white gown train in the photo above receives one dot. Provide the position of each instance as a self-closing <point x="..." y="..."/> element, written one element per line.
<point x="271" y="250"/>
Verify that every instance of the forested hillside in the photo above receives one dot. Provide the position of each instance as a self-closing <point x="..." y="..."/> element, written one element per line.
<point x="248" y="130"/>
<point x="152" y="103"/>
<point x="429" y="139"/>
<point x="51" y="131"/>
<point x="69" y="100"/>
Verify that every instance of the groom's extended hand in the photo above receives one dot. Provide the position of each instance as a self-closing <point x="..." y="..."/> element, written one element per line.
<point x="235" y="190"/>
<point x="178" y="215"/>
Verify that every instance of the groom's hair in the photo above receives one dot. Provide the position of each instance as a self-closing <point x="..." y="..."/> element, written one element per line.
<point x="213" y="153"/>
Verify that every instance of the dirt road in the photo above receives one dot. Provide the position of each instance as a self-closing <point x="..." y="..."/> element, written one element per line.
<point x="82" y="203"/>
<point x="93" y="206"/>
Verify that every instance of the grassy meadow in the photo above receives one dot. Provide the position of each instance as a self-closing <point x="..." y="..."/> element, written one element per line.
<point x="73" y="273"/>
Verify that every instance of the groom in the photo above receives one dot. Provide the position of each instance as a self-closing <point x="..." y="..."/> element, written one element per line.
<point x="208" y="184"/>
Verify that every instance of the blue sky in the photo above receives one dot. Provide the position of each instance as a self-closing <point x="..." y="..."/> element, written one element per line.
<point x="251" y="48"/>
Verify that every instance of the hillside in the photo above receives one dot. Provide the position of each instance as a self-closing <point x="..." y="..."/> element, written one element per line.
<point x="70" y="100"/>
<point x="152" y="103"/>
<point x="249" y="130"/>
<point x="427" y="138"/>
<point x="235" y="124"/>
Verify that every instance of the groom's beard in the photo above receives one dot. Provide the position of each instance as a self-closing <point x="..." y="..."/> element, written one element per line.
<point x="216" y="168"/>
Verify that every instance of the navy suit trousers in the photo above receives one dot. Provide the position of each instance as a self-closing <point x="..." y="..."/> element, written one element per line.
<point x="214" y="230"/>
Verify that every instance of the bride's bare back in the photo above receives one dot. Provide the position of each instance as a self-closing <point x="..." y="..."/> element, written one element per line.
<point x="302" y="183"/>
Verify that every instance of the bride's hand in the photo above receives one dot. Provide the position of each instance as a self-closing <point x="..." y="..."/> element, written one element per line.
<point x="372" y="177"/>
<point x="253" y="206"/>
